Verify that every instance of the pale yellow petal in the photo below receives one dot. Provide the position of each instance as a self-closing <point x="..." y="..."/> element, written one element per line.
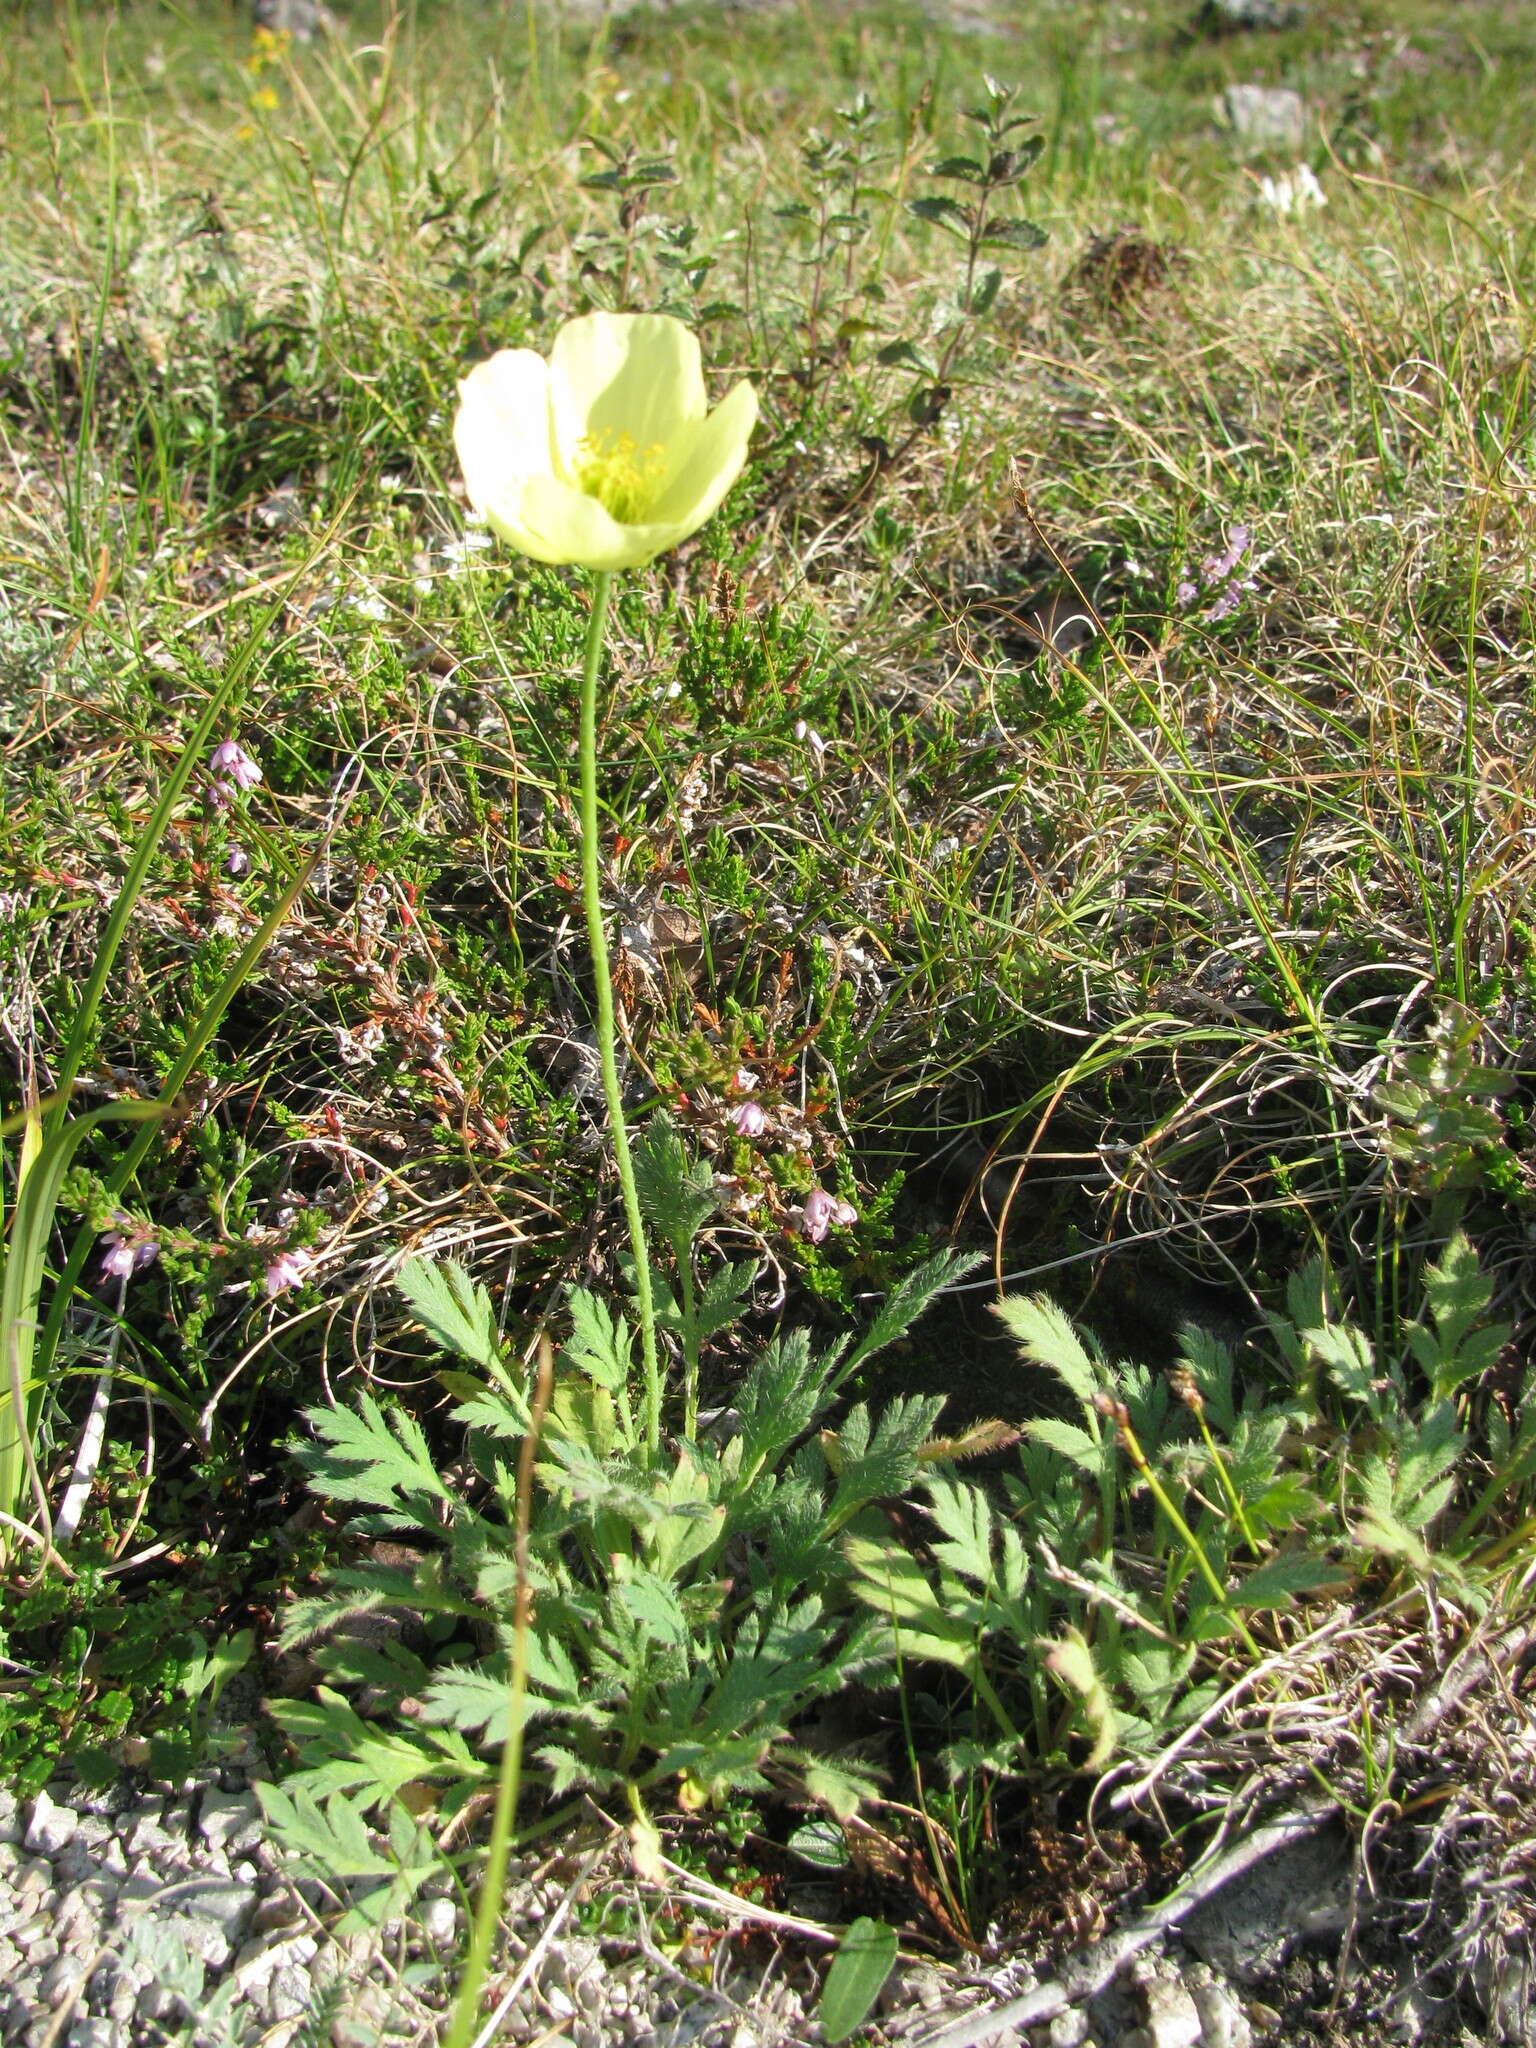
<point x="712" y="462"/>
<point x="613" y="375"/>
<point x="501" y="429"/>
<point x="552" y="521"/>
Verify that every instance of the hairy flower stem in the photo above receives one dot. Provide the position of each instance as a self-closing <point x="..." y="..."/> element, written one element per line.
<point x="592" y="902"/>
<point x="493" y="1883"/>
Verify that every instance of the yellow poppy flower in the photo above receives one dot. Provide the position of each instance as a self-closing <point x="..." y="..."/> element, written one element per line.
<point x="606" y="455"/>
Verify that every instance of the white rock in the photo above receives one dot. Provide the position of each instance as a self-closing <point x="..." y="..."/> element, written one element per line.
<point x="146" y="1839"/>
<point x="1223" y="2023"/>
<point x="204" y="1939"/>
<point x="1069" y="2029"/>
<point x="439" y="1920"/>
<point x="1264" y="116"/>
<point x="230" y="1820"/>
<point x="10" y="1818"/>
<point x="1173" y="2018"/>
<point x="228" y="1906"/>
<point x="49" y="1827"/>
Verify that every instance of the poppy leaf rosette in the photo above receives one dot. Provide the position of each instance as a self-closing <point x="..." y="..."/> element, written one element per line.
<point x="606" y="454"/>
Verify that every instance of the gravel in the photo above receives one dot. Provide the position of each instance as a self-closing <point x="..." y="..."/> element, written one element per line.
<point x="139" y="1917"/>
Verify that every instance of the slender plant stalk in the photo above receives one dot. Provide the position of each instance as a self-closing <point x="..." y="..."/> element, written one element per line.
<point x="466" y="2006"/>
<point x="592" y="901"/>
<point x="1138" y="1457"/>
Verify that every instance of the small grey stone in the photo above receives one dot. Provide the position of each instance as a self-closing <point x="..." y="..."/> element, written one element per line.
<point x="259" y="1960"/>
<point x="40" y="1943"/>
<point x="157" y="2002"/>
<point x="140" y="1888"/>
<point x="49" y="1826"/>
<point x="1069" y="2029"/>
<point x="228" y="1906"/>
<point x="32" y="1878"/>
<point x="81" y="1855"/>
<point x="288" y="1994"/>
<point x="297" y="18"/>
<point x="89" y="2032"/>
<point x="10" y="1818"/>
<point x="1223" y="2023"/>
<point x="275" y="1911"/>
<point x="10" y="1854"/>
<point x="1264" y="116"/>
<point x="18" y="2002"/>
<point x="1173" y="2019"/>
<point x="1232" y="17"/>
<point x="145" y="1837"/>
<point x="61" y="1980"/>
<point x="230" y="1820"/>
<point x="204" y="1939"/>
<point x="114" y="1988"/>
<point x="86" y="1907"/>
<point x="367" y="2017"/>
<point x="912" y="1984"/>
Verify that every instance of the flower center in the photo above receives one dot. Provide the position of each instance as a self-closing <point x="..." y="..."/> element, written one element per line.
<point x="620" y="474"/>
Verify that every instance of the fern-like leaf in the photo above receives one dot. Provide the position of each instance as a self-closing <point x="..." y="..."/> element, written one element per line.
<point x="1047" y="1338"/>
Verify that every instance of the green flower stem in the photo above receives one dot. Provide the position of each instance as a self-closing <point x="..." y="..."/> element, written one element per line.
<point x="1159" y="1492"/>
<point x="493" y="1883"/>
<point x="592" y="901"/>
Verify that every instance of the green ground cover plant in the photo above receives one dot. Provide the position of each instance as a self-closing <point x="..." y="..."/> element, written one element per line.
<point x="1064" y="841"/>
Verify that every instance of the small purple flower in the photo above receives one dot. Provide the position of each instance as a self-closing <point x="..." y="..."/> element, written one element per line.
<point x="126" y="1256"/>
<point x="287" y="1270"/>
<point x="1229" y="600"/>
<point x="231" y="764"/>
<point x="822" y="1211"/>
<point x="237" y="861"/>
<point x="811" y="737"/>
<point x="1216" y="568"/>
<point x="749" y="1119"/>
<point x="1186" y="594"/>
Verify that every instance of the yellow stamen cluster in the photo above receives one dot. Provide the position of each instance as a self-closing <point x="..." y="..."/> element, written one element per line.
<point x="621" y="475"/>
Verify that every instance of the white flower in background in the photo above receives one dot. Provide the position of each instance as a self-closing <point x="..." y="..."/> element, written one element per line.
<point x="1292" y="191"/>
